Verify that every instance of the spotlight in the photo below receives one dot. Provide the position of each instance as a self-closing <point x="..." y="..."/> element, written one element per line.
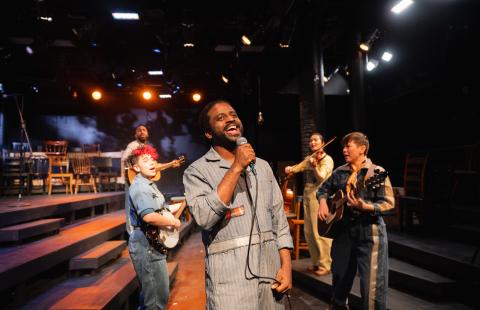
<point x="387" y="56"/>
<point x="401" y="6"/>
<point x="372" y="64"/>
<point x="283" y="45"/>
<point x="156" y="50"/>
<point x="225" y="79"/>
<point x="164" y="96"/>
<point x="147" y="95"/>
<point x="196" y="97"/>
<point x="125" y="16"/>
<point x="188" y="44"/>
<point x="46" y="18"/>
<point x="96" y="95"/>
<point x="364" y="47"/>
<point x="155" y="72"/>
<point x="29" y="50"/>
<point x="246" y="40"/>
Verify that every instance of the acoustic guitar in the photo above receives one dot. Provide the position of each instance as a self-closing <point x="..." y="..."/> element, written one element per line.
<point x="161" y="238"/>
<point x="131" y="173"/>
<point x="337" y="201"/>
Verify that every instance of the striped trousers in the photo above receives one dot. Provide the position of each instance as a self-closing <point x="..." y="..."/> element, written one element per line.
<point x="227" y="286"/>
<point x="361" y="245"/>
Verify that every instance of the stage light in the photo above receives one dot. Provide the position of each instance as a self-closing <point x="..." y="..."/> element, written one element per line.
<point x="46" y="18"/>
<point x="156" y="50"/>
<point x="196" y="97"/>
<point x="35" y="88"/>
<point x="155" y="72"/>
<point x="29" y="50"/>
<point x="387" y="56"/>
<point x="364" y="47"/>
<point x="401" y="6"/>
<point x="96" y="95"/>
<point x="225" y="79"/>
<point x="176" y="89"/>
<point x="188" y="44"/>
<point x="147" y="95"/>
<point x="246" y="40"/>
<point x="125" y="16"/>
<point x="283" y="45"/>
<point x="372" y="64"/>
<point x="119" y="85"/>
<point x="165" y="96"/>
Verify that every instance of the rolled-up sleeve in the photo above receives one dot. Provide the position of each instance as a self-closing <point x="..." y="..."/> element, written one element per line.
<point x="143" y="201"/>
<point x="280" y="226"/>
<point x="203" y="201"/>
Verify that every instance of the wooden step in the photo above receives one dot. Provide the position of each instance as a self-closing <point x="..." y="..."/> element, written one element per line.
<point x="31" y="229"/>
<point x="43" y="206"/>
<point x="21" y="263"/>
<point x="98" y="256"/>
<point x="420" y="281"/>
<point x="109" y="289"/>
<point x="396" y="299"/>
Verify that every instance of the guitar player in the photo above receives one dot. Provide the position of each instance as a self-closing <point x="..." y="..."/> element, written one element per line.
<point x="144" y="199"/>
<point x="360" y="242"/>
<point x="141" y="139"/>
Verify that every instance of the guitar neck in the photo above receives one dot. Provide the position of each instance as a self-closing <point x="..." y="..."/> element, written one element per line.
<point x="161" y="167"/>
<point x="180" y="210"/>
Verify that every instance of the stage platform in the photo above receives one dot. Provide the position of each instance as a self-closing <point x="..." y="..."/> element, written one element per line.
<point x="42" y="206"/>
<point x="424" y="273"/>
<point x="53" y="232"/>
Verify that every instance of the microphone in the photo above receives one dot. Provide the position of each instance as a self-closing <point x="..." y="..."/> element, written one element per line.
<point x="242" y="141"/>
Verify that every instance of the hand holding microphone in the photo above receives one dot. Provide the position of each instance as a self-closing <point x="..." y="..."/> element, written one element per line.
<point x="245" y="155"/>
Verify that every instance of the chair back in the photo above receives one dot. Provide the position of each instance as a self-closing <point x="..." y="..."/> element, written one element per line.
<point x="56" y="152"/>
<point x="58" y="147"/>
<point x="81" y="163"/>
<point x="414" y="174"/>
<point x="91" y="149"/>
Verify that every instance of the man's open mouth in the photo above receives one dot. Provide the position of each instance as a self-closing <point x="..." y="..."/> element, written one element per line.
<point x="232" y="129"/>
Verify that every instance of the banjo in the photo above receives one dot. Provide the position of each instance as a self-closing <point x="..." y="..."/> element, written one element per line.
<point x="163" y="238"/>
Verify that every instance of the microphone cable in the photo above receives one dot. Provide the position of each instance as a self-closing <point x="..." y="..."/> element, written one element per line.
<point x="254" y="216"/>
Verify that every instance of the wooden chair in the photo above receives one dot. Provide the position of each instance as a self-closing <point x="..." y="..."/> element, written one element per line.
<point x="411" y="204"/>
<point x="82" y="169"/>
<point x="107" y="178"/>
<point x="58" y="161"/>
<point x="298" y="222"/>
<point x="93" y="150"/>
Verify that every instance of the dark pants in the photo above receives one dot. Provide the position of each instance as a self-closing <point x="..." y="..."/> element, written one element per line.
<point x="361" y="245"/>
